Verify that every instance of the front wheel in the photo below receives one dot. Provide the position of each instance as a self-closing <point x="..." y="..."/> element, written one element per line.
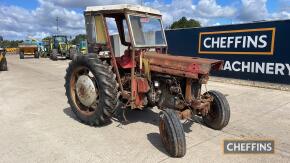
<point x="54" y="54"/>
<point x="43" y="54"/>
<point x="36" y="54"/>
<point x="219" y="114"/>
<point x="91" y="89"/>
<point x="3" y="64"/>
<point x="172" y="133"/>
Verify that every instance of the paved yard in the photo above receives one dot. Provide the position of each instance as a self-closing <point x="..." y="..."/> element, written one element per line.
<point x="37" y="124"/>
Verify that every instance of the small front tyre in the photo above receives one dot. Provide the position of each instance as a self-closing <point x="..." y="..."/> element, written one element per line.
<point x="219" y="113"/>
<point x="172" y="133"/>
<point x="54" y="54"/>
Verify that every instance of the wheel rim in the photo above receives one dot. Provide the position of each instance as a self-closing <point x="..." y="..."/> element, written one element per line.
<point x="213" y="112"/>
<point x="84" y="91"/>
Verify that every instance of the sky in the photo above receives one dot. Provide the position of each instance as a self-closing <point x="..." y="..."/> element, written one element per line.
<point x="22" y="19"/>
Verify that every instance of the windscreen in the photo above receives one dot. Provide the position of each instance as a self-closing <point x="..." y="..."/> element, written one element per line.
<point x="147" y="31"/>
<point x="45" y="43"/>
<point x="60" y="39"/>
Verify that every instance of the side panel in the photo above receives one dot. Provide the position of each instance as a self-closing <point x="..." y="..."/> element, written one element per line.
<point x="100" y="30"/>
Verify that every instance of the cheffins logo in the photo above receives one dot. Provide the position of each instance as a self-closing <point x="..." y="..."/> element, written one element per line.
<point x="249" y="41"/>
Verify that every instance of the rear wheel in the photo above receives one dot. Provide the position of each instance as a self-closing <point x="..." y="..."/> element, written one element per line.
<point x="21" y="55"/>
<point x="3" y="64"/>
<point x="53" y="55"/>
<point x="172" y="134"/>
<point x="219" y="113"/>
<point x="91" y="90"/>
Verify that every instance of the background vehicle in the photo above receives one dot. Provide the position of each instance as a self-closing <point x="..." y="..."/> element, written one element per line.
<point x="82" y="47"/>
<point x="143" y="76"/>
<point x="3" y="61"/>
<point x="60" y="47"/>
<point x="28" y="47"/>
<point x="46" y="48"/>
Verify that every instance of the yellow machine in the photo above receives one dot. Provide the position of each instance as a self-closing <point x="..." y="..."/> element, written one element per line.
<point x="3" y="61"/>
<point x="60" y="47"/>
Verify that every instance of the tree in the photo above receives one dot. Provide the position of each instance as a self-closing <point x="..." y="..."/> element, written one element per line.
<point x="10" y="43"/>
<point x="184" y="23"/>
<point x="78" y="39"/>
<point x="47" y="38"/>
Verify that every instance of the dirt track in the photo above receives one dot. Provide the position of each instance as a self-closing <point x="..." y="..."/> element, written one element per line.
<point x="37" y="124"/>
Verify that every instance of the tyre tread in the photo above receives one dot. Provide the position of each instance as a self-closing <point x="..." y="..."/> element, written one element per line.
<point x="175" y="132"/>
<point x="224" y="107"/>
<point x="106" y="85"/>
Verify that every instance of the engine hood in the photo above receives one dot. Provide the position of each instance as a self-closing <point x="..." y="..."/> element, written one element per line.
<point x="181" y="65"/>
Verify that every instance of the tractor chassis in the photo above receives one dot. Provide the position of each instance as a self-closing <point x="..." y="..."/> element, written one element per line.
<point x="144" y="76"/>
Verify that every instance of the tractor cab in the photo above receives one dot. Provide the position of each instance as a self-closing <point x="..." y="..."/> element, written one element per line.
<point x="58" y="40"/>
<point x="141" y="35"/>
<point x="138" y="27"/>
<point x="46" y="43"/>
<point x="83" y="46"/>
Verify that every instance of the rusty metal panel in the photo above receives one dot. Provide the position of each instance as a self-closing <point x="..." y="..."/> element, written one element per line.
<point x="180" y="65"/>
<point x="173" y="72"/>
<point x="142" y="85"/>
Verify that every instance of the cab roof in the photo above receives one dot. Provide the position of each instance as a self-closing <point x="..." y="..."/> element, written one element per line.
<point x="121" y="8"/>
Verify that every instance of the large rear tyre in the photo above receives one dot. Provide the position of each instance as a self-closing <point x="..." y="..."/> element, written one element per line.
<point x="3" y="64"/>
<point x="172" y="134"/>
<point x="91" y="89"/>
<point x="219" y="113"/>
<point x="21" y="55"/>
<point x="54" y="54"/>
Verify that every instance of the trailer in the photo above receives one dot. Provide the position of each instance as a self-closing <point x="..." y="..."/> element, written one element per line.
<point x="28" y="48"/>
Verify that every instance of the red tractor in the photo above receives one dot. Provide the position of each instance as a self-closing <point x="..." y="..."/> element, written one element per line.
<point x="144" y="75"/>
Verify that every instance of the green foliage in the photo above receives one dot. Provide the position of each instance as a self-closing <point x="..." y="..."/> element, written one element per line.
<point x="184" y="23"/>
<point x="47" y="38"/>
<point x="78" y="39"/>
<point x="10" y="44"/>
